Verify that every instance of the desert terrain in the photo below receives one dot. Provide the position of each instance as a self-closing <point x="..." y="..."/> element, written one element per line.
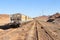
<point x="40" y="28"/>
<point x="4" y="19"/>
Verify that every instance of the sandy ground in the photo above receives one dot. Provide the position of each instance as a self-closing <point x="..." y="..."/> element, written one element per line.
<point x="37" y="29"/>
<point x="4" y="19"/>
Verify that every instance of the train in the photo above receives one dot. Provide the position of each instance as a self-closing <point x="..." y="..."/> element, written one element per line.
<point x="19" y="18"/>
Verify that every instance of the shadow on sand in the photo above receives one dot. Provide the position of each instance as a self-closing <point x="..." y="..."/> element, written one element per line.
<point x="10" y="25"/>
<point x="50" y="20"/>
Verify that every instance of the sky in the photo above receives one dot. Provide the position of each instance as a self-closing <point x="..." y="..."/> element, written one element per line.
<point x="32" y="8"/>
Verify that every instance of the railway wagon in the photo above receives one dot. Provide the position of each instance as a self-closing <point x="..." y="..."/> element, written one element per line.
<point x="25" y="18"/>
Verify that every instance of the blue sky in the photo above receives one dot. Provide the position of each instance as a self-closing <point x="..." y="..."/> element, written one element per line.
<point x="31" y="8"/>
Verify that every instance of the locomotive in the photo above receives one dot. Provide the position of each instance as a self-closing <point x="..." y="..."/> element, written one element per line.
<point x="15" y="20"/>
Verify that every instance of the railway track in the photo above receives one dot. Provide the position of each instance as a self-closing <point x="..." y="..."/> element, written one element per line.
<point x="31" y="35"/>
<point x="14" y="32"/>
<point x="51" y="29"/>
<point x="42" y="34"/>
<point x="33" y="30"/>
